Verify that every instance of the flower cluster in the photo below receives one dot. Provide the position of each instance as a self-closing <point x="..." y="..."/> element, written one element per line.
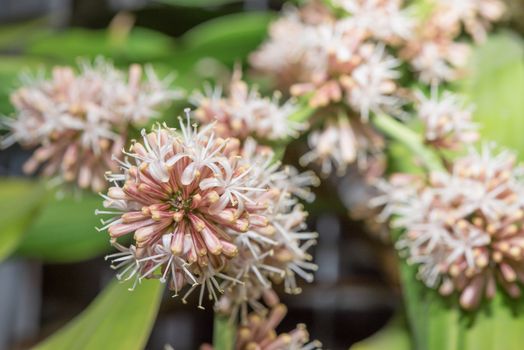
<point x="77" y="120"/>
<point x="346" y="57"/>
<point x="447" y="120"/>
<point x="244" y="112"/>
<point x="260" y="333"/>
<point x="434" y="51"/>
<point x="463" y="228"/>
<point x="209" y="212"/>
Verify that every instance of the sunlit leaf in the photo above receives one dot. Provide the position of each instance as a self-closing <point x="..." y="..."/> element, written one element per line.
<point x="496" y="86"/>
<point x="116" y="319"/>
<point x="65" y="231"/>
<point x="141" y="45"/>
<point x="228" y="40"/>
<point x="20" y="201"/>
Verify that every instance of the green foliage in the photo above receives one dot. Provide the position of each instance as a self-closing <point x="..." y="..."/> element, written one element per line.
<point x="139" y="46"/>
<point x="198" y="3"/>
<point x="65" y="231"/>
<point x="228" y="40"/>
<point x="496" y="86"/>
<point x="20" y="201"/>
<point x="393" y="336"/>
<point x="117" y="319"/>
<point x="13" y="35"/>
<point x="10" y="69"/>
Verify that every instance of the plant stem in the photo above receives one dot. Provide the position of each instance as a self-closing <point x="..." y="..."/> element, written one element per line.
<point x="410" y="139"/>
<point x="223" y="333"/>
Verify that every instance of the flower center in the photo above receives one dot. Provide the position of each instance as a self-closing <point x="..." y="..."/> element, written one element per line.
<point x="181" y="204"/>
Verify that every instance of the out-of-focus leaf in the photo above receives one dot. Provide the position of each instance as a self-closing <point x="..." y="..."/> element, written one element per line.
<point x="497" y="325"/>
<point x="20" y="201"/>
<point x="116" y="319"/>
<point x="10" y="69"/>
<point x="12" y="34"/>
<point x="496" y="86"/>
<point x="65" y="231"/>
<point x="393" y="337"/>
<point x="198" y="3"/>
<point x="228" y="38"/>
<point x="141" y="45"/>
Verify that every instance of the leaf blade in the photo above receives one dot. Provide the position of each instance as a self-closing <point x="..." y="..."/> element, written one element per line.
<point x="102" y="326"/>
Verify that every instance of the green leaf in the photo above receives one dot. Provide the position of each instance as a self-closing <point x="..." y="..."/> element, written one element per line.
<point x="228" y="40"/>
<point x="140" y="46"/>
<point x="393" y="337"/>
<point x="20" y="201"/>
<point x="198" y="3"/>
<point x="116" y="319"/>
<point x="496" y="86"/>
<point x="10" y="69"/>
<point x="12" y="34"/>
<point x="497" y="325"/>
<point x="65" y="232"/>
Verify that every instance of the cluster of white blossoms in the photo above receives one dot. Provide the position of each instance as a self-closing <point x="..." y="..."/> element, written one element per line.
<point x="76" y="121"/>
<point x="259" y="332"/>
<point x="464" y="229"/>
<point x="434" y="51"/>
<point x="210" y="213"/>
<point x="345" y="141"/>
<point x="347" y="56"/>
<point x="447" y="120"/>
<point x="243" y="112"/>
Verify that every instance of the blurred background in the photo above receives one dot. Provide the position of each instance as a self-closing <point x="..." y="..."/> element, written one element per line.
<point x="49" y="281"/>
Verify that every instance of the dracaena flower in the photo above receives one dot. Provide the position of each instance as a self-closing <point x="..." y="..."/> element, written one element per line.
<point x="76" y="121"/>
<point x="383" y="20"/>
<point x="260" y="333"/>
<point x="436" y="60"/>
<point x="475" y="16"/>
<point x="244" y="112"/>
<point x="270" y="256"/>
<point x="204" y="211"/>
<point x="342" y="142"/>
<point x="447" y="120"/>
<point x="464" y="228"/>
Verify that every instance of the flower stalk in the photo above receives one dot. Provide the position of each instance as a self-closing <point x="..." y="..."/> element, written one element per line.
<point x="408" y="138"/>
<point x="224" y="330"/>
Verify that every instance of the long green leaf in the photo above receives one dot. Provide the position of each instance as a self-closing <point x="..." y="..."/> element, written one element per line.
<point x="393" y="337"/>
<point x="65" y="232"/>
<point x="198" y="3"/>
<point x="20" y="201"/>
<point x="140" y="46"/>
<point x="117" y="319"/>
<point x="496" y="86"/>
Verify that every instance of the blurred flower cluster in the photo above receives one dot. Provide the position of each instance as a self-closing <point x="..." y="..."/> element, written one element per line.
<point x="349" y="57"/>
<point x="211" y="213"/>
<point x="78" y="121"/>
<point x="243" y="112"/>
<point x="259" y="332"/>
<point x="463" y="227"/>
